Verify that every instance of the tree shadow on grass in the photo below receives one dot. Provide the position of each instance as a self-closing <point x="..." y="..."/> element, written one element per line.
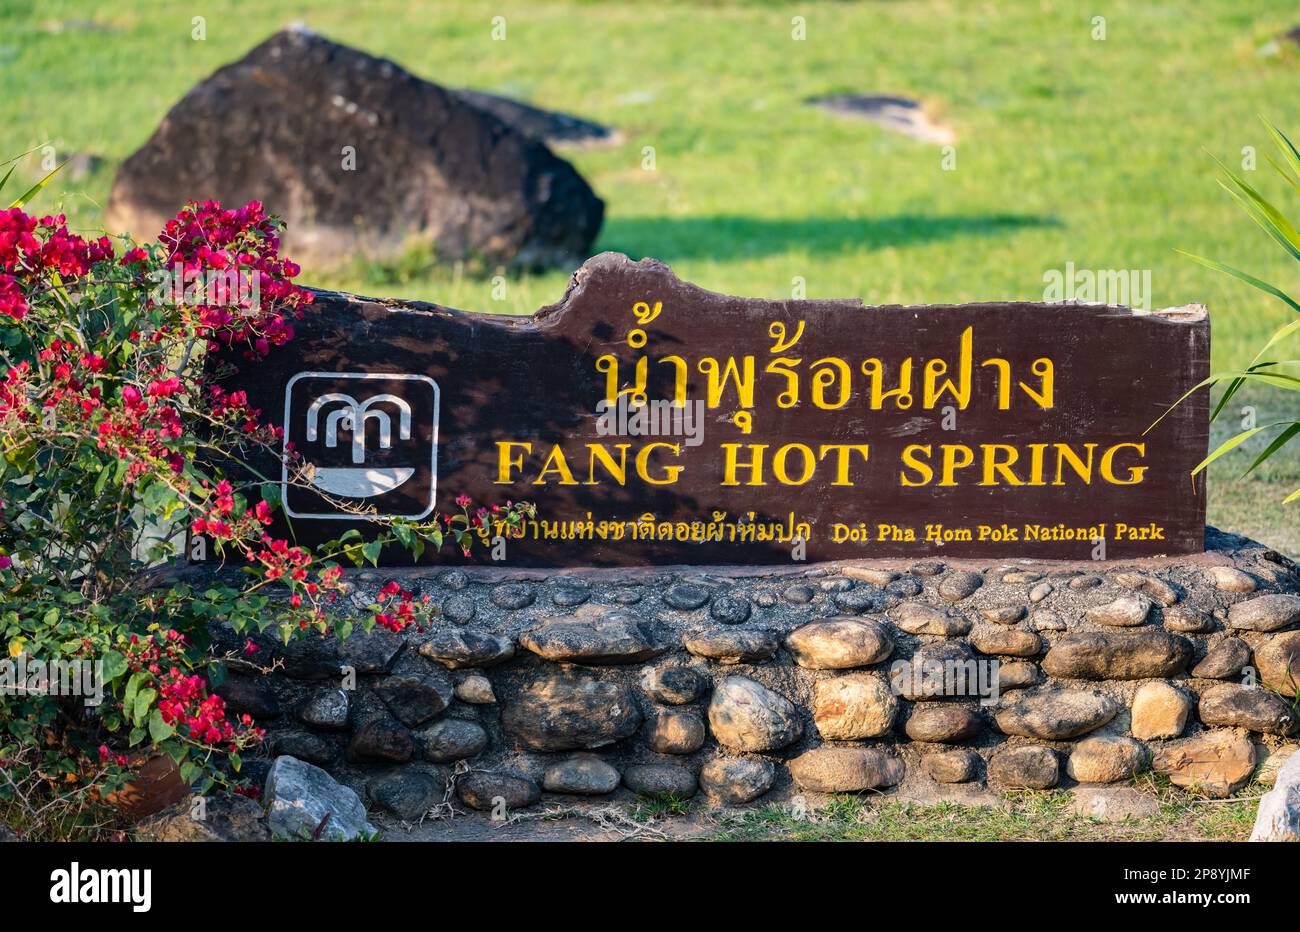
<point x="737" y="237"/>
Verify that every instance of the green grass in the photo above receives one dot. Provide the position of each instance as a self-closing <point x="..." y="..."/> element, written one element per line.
<point x="1069" y="149"/>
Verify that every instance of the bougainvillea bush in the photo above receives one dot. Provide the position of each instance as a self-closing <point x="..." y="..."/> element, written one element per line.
<point x="117" y="440"/>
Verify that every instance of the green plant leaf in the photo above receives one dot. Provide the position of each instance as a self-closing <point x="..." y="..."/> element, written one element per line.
<point x="1228" y="445"/>
<point x="1278" y="443"/>
<point x="159" y="731"/>
<point x="35" y="189"/>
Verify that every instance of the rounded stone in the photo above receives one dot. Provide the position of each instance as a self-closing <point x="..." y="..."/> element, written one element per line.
<point x="686" y="597"/>
<point x="845" y="770"/>
<point x="765" y="600"/>
<point x="327" y="708"/>
<point x="1017" y="674"/>
<point x="1055" y="714"/>
<point x="942" y="722"/>
<point x="476" y="689"/>
<point x="674" y="731"/>
<point x="1043" y="620"/>
<point x="839" y="644"/>
<point x="951" y="766"/>
<point x="1117" y="655"/>
<point x="935" y="671"/>
<point x="1040" y="592"/>
<point x="305" y="746"/>
<point x="1278" y="660"/>
<point x="459" y="609"/>
<point x="454" y="580"/>
<point x="1251" y="707"/>
<point x="1003" y="615"/>
<point x="381" y="738"/>
<point x="1010" y="642"/>
<point x="1187" y="619"/>
<point x="857" y="601"/>
<point x="1021" y="576"/>
<point x="483" y="791"/>
<point x="625" y="596"/>
<point x="747" y="716"/>
<point x="581" y="776"/>
<point x="1156" y="589"/>
<point x="734" y="781"/>
<point x="1231" y="579"/>
<point x="1224" y="660"/>
<point x="660" y="780"/>
<point x="927" y="568"/>
<point x="608" y="639"/>
<point x="800" y="595"/>
<point x="1127" y="611"/>
<point x="960" y="585"/>
<point x="835" y="584"/>
<point x="905" y="587"/>
<point x="567" y="595"/>
<point x="733" y="646"/>
<point x="1271" y="612"/>
<point x="673" y="684"/>
<point x="1108" y="759"/>
<point x="918" y="618"/>
<point x="513" y="596"/>
<point x="1025" y="767"/>
<point x="853" y="706"/>
<point x="1086" y="582"/>
<point x="1159" y="711"/>
<point x="730" y="609"/>
<point x="406" y="795"/>
<point x="450" y="739"/>
<point x="878" y="578"/>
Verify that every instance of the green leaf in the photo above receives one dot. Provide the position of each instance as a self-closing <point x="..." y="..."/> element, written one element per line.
<point x="143" y="700"/>
<point x="1278" y="443"/>
<point x="36" y="188"/>
<point x="1243" y="276"/>
<point x="372" y="551"/>
<point x="1228" y="445"/>
<point x="159" y="731"/>
<point x="114" y="665"/>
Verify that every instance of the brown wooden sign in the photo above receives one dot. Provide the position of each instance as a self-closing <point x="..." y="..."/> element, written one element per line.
<point x="651" y="421"/>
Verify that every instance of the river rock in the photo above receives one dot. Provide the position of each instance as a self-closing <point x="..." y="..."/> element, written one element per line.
<point x="734" y="781"/>
<point x="406" y="795"/>
<point x="660" y="780"/>
<point x="839" y="643"/>
<point x="1188" y="619"/>
<point x="674" y="684"/>
<point x="582" y="775"/>
<point x="942" y="722"/>
<point x="951" y="766"/>
<point x="482" y="791"/>
<point x="674" y="731"/>
<point x="450" y="739"/>
<point x="1224" y="660"/>
<point x="381" y="738"/>
<point x="917" y="618"/>
<point x="415" y="698"/>
<point x="1271" y="612"/>
<point x="613" y="639"/>
<point x="686" y="597"/>
<point x="734" y="646"/>
<point x="1003" y="615"/>
<point x="476" y="690"/>
<point x="1009" y="642"/>
<point x="1127" y="611"/>
<point x="853" y="706"/>
<point x="1107" y="759"/>
<point x="512" y="596"/>
<point x="1159" y="711"/>
<point x="747" y="716"/>
<point x="1278" y="817"/>
<point x="939" y="670"/>
<point x="1278" y="660"/>
<point x="459" y="648"/>
<point x="1156" y="589"/>
<point x="1117" y="655"/>
<point x="326" y="708"/>
<point x="1251" y="707"/>
<point x="570" y="713"/>
<point x="730" y="609"/>
<point x="845" y="770"/>
<point x="1055" y="714"/>
<point x="959" y="585"/>
<point x="1025" y="767"/>
<point x="1231" y="579"/>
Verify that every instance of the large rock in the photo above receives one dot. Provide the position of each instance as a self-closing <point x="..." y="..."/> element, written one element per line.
<point x="1159" y="711"/>
<point x="416" y="697"/>
<point x="1055" y="714"/>
<point x="1224" y="660"/>
<point x="224" y="818"/>
<point x="941" y="670"/>
<point x="674" y="684"/>
<point x="407" y="795"/>
<point x="1117" y="655"/>
<point x="303" y="802"/>
<point x="675" y="731"/>
<point x="917" y="618"/>
<point x="1107" y="759"/>
<point x="1251" y="707"/>
<point x="459" y="648"/>
<point x="839" y="643"/>
<point x="1271" y="612"/>
<point x="853" y="706"/>
<point x="359" y="157"/>
<point x="486" y="791"/>
<point x="1006" y="642"/>
<point x="660" y="780"/>
<point x="582" y="775"/>
<point x="1216" y="763"/>
<point x="733" y="646"/>
<point x="1127" y="611"/>
<point x="1278" y="660"/>
<point x="942" y="722"/>
<point x="450" y="739"/>
<point x="1025" y="767"/>
<point x="1278" y="818"/>
<point x="747" y="716"/>
<point x="569" y="714"/>
<point x="736" y="781"/>
<point x="613" y="639"/>
<point x="951" y="766"/>
<point x="845" y="770"/>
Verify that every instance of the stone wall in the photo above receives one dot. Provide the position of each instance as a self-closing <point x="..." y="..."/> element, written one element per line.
<point x="746" y="684"/>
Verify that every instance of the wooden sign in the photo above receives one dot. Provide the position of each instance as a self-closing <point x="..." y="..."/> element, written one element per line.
<point x="651" y="421"/>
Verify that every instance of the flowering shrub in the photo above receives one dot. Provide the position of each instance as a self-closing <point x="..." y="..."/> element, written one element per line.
<point x="115" y="441"/>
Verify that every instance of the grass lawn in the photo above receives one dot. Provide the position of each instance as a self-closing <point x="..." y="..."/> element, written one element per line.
<point x="1069" y="149"/>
